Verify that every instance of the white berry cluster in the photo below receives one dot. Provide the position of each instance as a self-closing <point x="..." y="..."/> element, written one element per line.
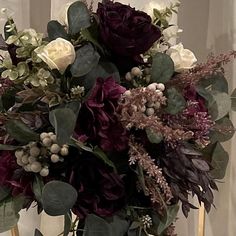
<point x="77" y="92"/>
<point x="146" y="221"/>
<point x="37" y="156"/>
<point x="137" y="73"/>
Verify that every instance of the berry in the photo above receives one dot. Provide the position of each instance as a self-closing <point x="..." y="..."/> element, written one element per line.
<point x="19" y="153"/>
<point x="136" y="72"/>
<point x="44" y="172"/>
<point x="150" y="111"/>
<point x="64" y="151"/>
<point x="47" y="142"/>
<point x="36" y="167"/>
<point x="43" y="136"/>
<point x="34" y="151"/>
<point x="55" y="158"/>
<point x="55" y="148"/>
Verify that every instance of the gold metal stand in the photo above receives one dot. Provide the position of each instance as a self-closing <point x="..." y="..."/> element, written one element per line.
<point x="201" y="221"/>
<point x="15" y="231"/>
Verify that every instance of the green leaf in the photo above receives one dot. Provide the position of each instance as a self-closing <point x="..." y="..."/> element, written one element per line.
<point x="4" y="192"/>
<point x="162" y="68"/>
<point x="154" y="137"/>
<point x="20" y="132"/>
<point x="78" y="17"/>
<point x="56" y="30"/>
<point x="101" y="155"/>
<point x="9" y="213"/>
<point x="38" y="188"/>
<point x="67" y="223"/>
<point x="97" y="226"/>
<point x="64" y="121"/>
<point x="221" y="105"/>
<point x="37" y="233"/>
<point x="220" y="159"/>
<point x="102" y="70"/>
<point x="223" y="131"/>
<point x="169" y="217"/>
<point x="86" y="59"/>
<point x="58" y="198"/>
<point x="4" y="147"/>
<point x="233" y="100"/>
<point x="215" y="82"/>
<point x="175" y="102"/>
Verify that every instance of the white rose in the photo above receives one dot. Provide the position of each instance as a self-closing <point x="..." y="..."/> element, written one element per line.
<point x="183" y="58"/>
<point x="58" y="54"/>
<point x="171" y="32"/>
<point x="62" y="17"/>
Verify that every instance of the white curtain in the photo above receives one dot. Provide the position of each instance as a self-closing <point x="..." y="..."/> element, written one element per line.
<point x="209" y="25"/>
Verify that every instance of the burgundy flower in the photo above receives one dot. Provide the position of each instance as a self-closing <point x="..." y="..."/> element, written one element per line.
<point x="124" y="30"/>
<point x="13" y="176"/>
<point x="100" y="190"/>
<point x="97" y="119"/>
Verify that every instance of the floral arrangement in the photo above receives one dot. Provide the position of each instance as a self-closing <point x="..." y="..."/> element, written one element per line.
<point x="107" y="118"/>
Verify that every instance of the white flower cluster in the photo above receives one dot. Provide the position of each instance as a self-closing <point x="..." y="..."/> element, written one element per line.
<point x="77" y="92"/>
<point x="146" y="221"/>
<point x="137" y="73"/>
<point x="36" y="157"/>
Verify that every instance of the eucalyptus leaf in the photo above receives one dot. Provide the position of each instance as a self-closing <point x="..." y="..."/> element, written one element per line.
<point x="8" y="99"/>
<point x="58" y="198"/>
<point x="4" y="192"/>
<point x="56" y="30"/>
<point x="97" y="226"/>
<point x="175" y="102"/>
<point x="220" y="159"/>
<point x="21" y="132"/>
<point x="86" y="59"/>
<point x="154" y="137"/>
<point x="64" y="121"/>
<point x="222" y="131"/>
<point x="162" y="68"/>
<point x="233" y="100"/>
<point x="222" y="102"/>
<point x="168" y="219"/>
<point x="78" y="17"/>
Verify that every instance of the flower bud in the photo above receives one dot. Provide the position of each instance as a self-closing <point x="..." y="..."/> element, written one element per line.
<point x="150" y="111"/>
<point x="128" y="76"/>
<point x="161" y="87"/>
<point x="47" y="142"/>
<point x="32" y="159"/>
<point x="25" y="159"/>
<point x="19" y="153"/>
<point x="43" y="136"/>
<point x="152" y="86"/>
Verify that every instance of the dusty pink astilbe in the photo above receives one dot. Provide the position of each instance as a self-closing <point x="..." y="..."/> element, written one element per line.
<point x="131" y="115"/>
<point x="214" y="65"/>
<point x="154" y="174"/>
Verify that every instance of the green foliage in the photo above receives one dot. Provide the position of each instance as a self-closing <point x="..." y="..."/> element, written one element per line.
<point x="162" y="68"/>
<point x="4" y="147"/>
<point x="86" y="59"/>
<point x="233" y="100"/>
<point x="64" y="121"/>
<point x="67" y="223"/>
<point x="20" y="132"/>
<point x="4" y="192"/>
<point x="56" y="30"/>
<point x="154" y="137"/>
<point x="38" y="188"/>
<point x="167" y="219"/>
<point x="10" y="24"/>
<point x="222" y="131"/>
<point x="9" y="210"/>
<point x="8" y="99"/>
<point x="220" y="159"/>
<point x="97" y="226"/>
<point x="78" y="17"/>
<point x="175" y="101"/>
<point x="58" y="198"/>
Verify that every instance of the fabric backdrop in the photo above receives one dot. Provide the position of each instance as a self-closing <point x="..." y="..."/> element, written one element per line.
<point x="209" y="26"/>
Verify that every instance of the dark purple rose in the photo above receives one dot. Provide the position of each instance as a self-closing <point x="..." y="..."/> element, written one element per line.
<point x="100" y="190"/>
<point x="97" y="119"/>
<point x="13" y="176"/>
<point x="125" y="31"/>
